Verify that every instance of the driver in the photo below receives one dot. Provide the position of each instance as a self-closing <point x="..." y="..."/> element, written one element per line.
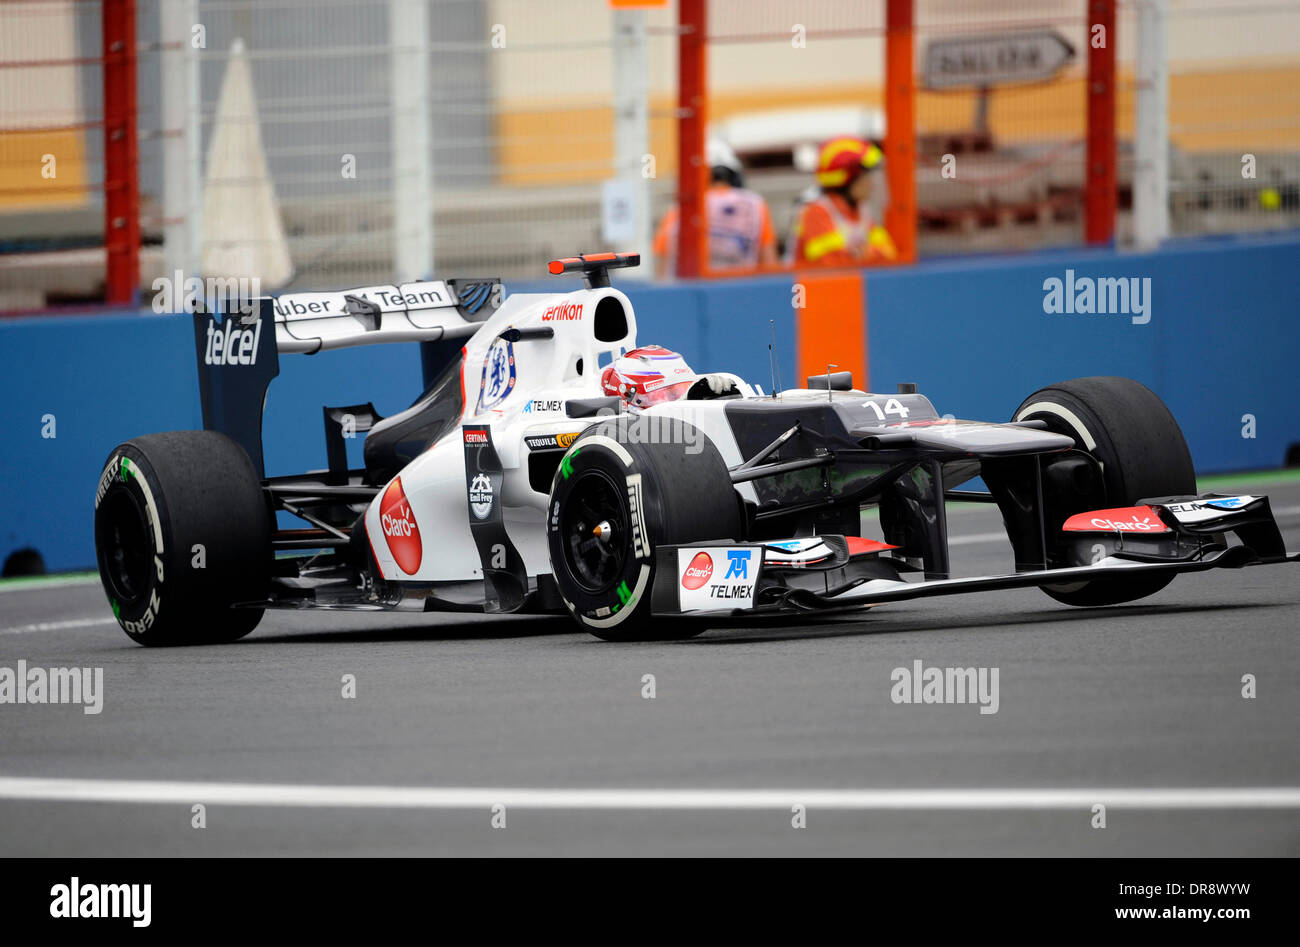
<point x="652" y="374"/>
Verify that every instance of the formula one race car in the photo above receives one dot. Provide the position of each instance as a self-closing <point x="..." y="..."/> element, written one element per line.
<point x="516" y="484"/>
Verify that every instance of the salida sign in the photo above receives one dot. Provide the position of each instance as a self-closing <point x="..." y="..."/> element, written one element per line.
<point x="964" y="62"/>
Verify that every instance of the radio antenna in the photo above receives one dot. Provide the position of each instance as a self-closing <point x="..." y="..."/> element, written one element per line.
<point x="774" y="361"/>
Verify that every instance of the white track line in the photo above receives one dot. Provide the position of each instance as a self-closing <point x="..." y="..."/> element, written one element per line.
<point x="57" y="625"/>
<point x="415" y="797"/>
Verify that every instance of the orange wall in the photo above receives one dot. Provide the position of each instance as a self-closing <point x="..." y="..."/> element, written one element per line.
<point x="21" y="160"/>
<point x="1221" y="109"/>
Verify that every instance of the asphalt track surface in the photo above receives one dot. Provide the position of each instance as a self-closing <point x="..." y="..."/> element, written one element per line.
<point x="1093" y="704"/>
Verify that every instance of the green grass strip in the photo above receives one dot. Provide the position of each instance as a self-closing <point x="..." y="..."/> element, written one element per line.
<point x="48" y="581"/>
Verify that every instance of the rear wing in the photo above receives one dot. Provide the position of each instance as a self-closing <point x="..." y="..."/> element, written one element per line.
<point x="239" y="355"/>
<point x="412" y="312"/>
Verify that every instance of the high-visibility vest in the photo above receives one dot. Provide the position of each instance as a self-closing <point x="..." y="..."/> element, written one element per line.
<point x="736" y="219"/>
<point x="735" y="226"/>
<point x="860" y="237"/>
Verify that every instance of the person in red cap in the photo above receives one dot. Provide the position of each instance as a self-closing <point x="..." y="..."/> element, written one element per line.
<point x="836" y="228"/>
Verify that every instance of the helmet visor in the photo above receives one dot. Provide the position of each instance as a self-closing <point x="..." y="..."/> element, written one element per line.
<point x="661" y="395"/>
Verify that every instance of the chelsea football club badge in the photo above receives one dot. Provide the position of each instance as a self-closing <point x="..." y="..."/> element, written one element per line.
<point x="498" y="374"/>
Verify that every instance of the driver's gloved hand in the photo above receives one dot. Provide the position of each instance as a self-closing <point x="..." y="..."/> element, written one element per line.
<point x="711" y="386"/>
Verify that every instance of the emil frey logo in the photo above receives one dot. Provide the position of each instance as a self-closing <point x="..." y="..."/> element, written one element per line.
<point x="401" y="532"/>
<point x="698" y="572"/>
<point x="480" y="496"/>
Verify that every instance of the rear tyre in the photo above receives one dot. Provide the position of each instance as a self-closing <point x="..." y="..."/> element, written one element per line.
<point x="615" y="498"/>
<point x="1141" y="451"/>
<point x="182" y="533"/>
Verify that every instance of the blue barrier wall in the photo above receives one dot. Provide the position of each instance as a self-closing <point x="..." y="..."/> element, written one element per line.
<point x="105" y="379"/>
<point x="1223" y="339"/>
<point x="1222" y="342"/>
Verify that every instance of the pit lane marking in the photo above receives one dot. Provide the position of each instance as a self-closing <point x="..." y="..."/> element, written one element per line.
<point x="156" y="792"/>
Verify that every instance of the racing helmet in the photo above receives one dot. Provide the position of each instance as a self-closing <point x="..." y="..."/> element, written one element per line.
<point x="843" y="159"/>
<point x="647" y="376"/>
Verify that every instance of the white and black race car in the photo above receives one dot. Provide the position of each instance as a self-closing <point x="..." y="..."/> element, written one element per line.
<point x="514" y="484"/>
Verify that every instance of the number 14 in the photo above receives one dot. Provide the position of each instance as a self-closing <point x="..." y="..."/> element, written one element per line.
<point x="892" y="406"/>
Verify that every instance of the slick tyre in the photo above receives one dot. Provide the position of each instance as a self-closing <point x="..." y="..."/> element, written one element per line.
<point x="614" y="500"/>
<point x="1141" y="451"/>
<point x="182" y="533"/>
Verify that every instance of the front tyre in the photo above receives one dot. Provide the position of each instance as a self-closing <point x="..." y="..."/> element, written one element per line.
<point x="1140" y="448"/>
<point x="182" y="533"/>
<point x="618" y="495"/>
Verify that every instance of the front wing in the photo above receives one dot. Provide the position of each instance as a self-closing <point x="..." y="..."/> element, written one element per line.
<point x="836" y="572"/>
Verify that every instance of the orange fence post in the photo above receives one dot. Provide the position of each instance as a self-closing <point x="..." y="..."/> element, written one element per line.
<point x="1099" y="177"/>
<point x="900" y="127"/>
<point x="121" y="164"/>
<point x="692" y="104"/>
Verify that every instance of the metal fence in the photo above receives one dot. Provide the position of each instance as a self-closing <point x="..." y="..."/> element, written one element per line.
<point x="785" y="76"/>
<point x="1001" y="162"/>
<point x="51" y="155"/>
<point x="516" y="101"/>
<point x="1234" y="114"/>
<point x="509" y="112"/>
<point x="518" y="104"/>
<point x="323" y="79"/>
<point x="1001" y="166"/>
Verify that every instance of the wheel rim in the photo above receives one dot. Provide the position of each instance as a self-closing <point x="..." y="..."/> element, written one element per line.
<point x="125" y="546"/>
<point x="594" y="529"/>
